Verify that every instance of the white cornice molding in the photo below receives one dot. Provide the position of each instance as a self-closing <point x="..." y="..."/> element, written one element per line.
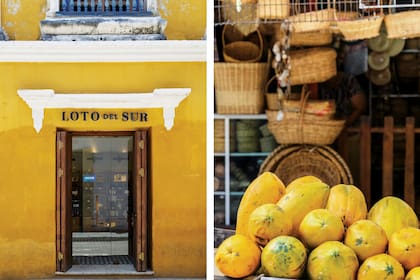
<point x="167" y="99"/>
<point x="103" y="51"/>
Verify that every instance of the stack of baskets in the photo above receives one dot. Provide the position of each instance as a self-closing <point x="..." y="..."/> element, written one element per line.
<point x="267" y="141"/>
<point x="239" y="80"/>
<point x="219" y="137"/>
<point x="247" y="136"/>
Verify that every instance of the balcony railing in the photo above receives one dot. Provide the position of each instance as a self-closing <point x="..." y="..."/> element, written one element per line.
<point x="103" y="8"/>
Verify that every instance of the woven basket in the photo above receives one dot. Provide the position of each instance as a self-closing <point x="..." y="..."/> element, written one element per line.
<point x="289" y="162"/>
<point x="295" y="131"/>
<point x="271" y="98"/>
<point x="403" y="24"/>
<point x="243" y="50"/>
<point x="313" y="109"/>
<point x="342" y="16"/>
<point x="358" y="29"/>
<point x="312" y="21"/>
<point x="239" y="87"/>
<point x="310" y="38"/>
<point x="304" y="128"/>
<point x="312" y="65"/>
<point x="273" y="9"/>
<point x="219" y="136"/>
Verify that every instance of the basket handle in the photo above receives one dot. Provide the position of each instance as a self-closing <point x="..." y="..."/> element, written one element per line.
<point x="224" y="31"/>
<point x="304" y="95"/>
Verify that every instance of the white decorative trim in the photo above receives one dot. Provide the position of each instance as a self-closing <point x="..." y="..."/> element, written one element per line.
<point x="167" y="99"/>
<point x="103" y="51"/>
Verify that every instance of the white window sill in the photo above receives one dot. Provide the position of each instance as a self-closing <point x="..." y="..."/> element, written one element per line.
<point x="103" y="51"/>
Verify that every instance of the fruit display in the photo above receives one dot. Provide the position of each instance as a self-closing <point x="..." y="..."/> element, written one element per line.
<point x="310" y="230"/>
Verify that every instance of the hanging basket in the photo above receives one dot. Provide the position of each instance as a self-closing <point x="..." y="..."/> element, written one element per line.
<point x="312" y="21"/>
<point x="306" y="131"/>
<point x="289" y="162"/>
<point x="310" y="38"/>
<point x="403" y="24"/>
<point x="359" y="29"/>
<point x="312" y="65"/>
<point x="239" y="87"/>
<point x="303" y="128"/>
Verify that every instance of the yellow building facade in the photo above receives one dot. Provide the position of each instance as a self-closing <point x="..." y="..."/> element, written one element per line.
<point x="79" y="88"/>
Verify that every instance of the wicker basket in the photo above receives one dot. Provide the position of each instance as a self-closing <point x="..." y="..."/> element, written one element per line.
<point x="312" y="65"/>
<point x="273" y="9"/>
<point x="312" y="21"/>
<point x="295" y="131"/>
<point x="403" y="24"/>
<point x="245" y="50"/>
<point x="289" y="162"/>
<point x="358" y="29"/>
<point x="219" y="136"/>
<point x="310" y="38"/>
<point x="312" y="109"/>
<point x="316" y="109"/>
<point x="271" y="98"/>
<point x="342" y="16"/>
<point x="239" y="87"/>
<point x="304" y="128"/>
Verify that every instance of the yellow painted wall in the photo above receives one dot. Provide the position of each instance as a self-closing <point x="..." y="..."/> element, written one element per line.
<point x="27" y="163"/>
<point x="186" y="18"/>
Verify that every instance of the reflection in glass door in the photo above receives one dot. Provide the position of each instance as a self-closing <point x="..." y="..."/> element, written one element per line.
<point x="101" y="182"/>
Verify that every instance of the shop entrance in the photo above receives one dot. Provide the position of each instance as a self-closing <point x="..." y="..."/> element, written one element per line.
<point x="101" y="199"/>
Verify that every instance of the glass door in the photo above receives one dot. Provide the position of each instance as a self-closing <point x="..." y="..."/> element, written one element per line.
<point x="101" y="182"/>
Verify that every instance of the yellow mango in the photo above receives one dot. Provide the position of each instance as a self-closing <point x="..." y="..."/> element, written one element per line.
<point x="392" y="214"/>
<point x="348" y="203"/>
<point x="301" y="181"/>
<point x="266" y="188"/>
<point x="300" y="201"/>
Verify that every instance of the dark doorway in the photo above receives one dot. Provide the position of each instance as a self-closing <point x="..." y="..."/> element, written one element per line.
<point x="101" y="199"/>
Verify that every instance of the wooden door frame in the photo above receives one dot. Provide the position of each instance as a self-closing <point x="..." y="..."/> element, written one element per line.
<point x="140" y="183"/>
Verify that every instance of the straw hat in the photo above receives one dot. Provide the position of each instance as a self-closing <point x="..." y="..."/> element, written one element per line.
<point x="380" y="78"/>
<point x="379" y="43"/>
<point x="378" y="60"/>
<point x="396" y="46"/>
